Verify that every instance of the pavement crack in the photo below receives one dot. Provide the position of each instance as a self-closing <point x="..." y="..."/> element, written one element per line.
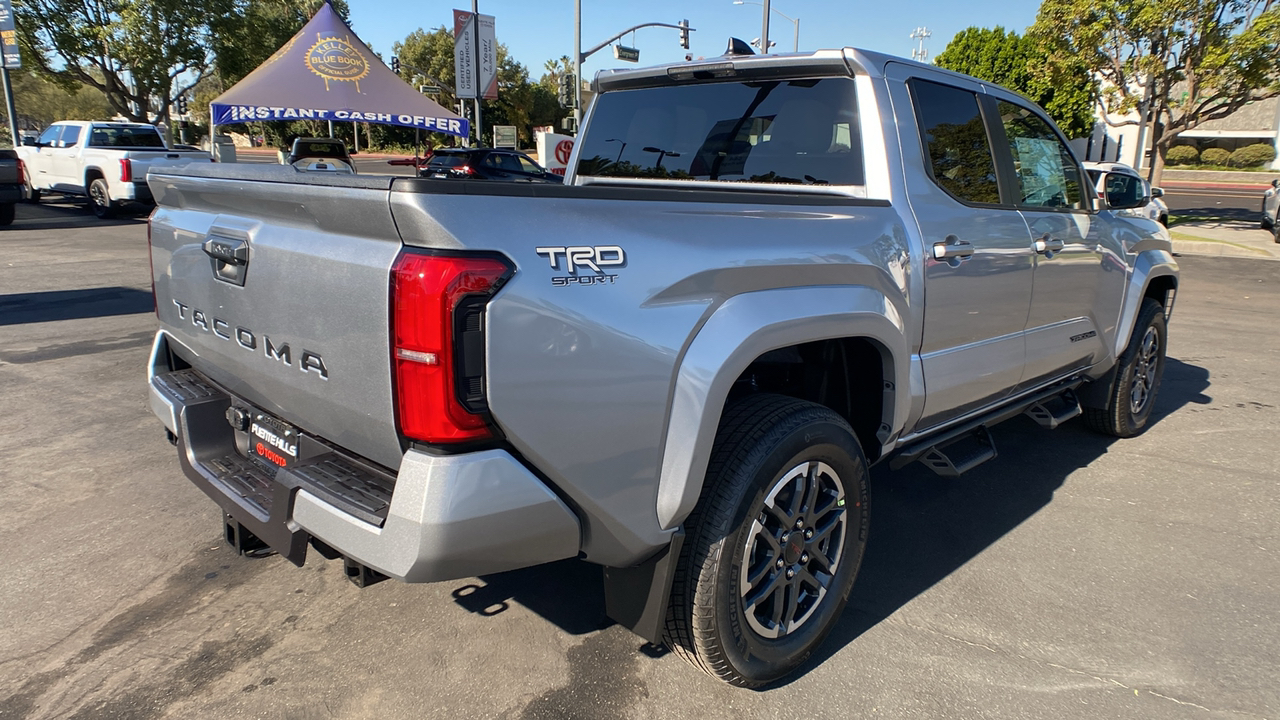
<point x="1074" y="671"/>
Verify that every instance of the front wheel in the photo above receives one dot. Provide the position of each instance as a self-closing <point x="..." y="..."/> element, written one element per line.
<point x="100" y="199"/>
<point x="774" y="543"/>
<point x="1138" y="374"/>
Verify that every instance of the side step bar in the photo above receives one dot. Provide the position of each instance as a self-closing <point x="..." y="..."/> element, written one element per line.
<point x="960" y="449"/>
<point x="1054" y="411"/>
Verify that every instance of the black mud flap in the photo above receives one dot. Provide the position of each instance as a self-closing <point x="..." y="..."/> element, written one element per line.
<point x="637" y="597"/>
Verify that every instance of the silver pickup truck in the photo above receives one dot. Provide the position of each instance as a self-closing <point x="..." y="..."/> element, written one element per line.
<point x="761" y="275"/>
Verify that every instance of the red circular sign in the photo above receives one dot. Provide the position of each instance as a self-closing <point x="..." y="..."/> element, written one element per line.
<point x="563" y="149"/>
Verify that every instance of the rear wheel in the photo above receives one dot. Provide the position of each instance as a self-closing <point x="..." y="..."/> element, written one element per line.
<point x="33" y="195"/>
<point x="100" y="199"/>
<point x="774" y="543"/>
<point x="1138" y="375"/>
<point x="6" y="214"/>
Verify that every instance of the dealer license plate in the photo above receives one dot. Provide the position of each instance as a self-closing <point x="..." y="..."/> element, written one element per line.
<point x="272" y="440"/>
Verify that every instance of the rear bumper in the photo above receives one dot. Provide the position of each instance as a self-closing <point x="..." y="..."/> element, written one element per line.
<point x="438" y="518"/>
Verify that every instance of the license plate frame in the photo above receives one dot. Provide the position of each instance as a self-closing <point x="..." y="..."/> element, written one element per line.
<point x="272" y="440"/>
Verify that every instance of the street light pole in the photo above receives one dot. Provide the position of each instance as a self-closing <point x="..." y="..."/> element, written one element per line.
<point x="577" y="64"/>
<point x="764" y="31"/>
<point x="795" y="21"/>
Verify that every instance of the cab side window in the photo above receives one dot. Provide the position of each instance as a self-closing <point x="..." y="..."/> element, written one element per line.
<point x="50" y="135"/>
<point x="1048" y="176"/>
<point x="956" y="143"/>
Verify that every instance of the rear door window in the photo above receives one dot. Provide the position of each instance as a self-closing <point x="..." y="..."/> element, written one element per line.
<point x="957" y="146"/>
<point x="802" y="132"/>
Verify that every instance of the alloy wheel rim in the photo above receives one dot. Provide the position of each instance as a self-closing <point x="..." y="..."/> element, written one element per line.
<point x="1144" y="372"/>
<point x="793" y="549"/>
<point x="96" y="193"/>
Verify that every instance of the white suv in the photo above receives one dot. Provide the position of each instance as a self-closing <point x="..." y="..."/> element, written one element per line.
<point x="1154" y="210"/>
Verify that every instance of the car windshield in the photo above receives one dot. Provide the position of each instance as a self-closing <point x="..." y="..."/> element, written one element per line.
<point x="146" y="137"/>
<point x="776" y="131"/>
<point x="448" y="160"/>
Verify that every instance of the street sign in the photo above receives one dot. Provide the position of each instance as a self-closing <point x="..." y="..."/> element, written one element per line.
<point x="9" y="36"/>
<point x="504" y="136"/>
<point x="429" y="89"/>
<point x="621" y="52"/>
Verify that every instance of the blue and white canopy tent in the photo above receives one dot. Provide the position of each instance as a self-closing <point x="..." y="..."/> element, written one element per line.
<point x="325" y="72"/>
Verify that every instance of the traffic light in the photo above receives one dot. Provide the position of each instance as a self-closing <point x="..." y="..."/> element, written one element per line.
<point x="684" y="34"/>
<point x="182" y="105"/>
<point x="395" y="64"/>
<point x="567" y="95"/>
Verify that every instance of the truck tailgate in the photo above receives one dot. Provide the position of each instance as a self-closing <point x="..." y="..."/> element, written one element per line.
<point x="143" y="161"/>
<point x="301" y="328"/>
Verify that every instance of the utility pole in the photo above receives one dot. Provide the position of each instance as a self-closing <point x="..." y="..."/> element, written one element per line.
<point x="475" y="18"/>
<point x="577" y="65"/>
<point x="921" y="33"/>
<point x="764" y="30"/>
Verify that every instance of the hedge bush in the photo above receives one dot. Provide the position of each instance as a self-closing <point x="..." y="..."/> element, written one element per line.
<point x="1182" y="155"/>
<point x="1215" y="156"/>
<point x="1253" y="155"/>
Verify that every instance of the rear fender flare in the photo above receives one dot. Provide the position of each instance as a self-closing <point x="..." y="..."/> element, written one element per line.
<point x="745" y="327"/>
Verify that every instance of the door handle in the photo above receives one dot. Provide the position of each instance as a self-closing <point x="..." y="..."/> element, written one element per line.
<point x="1048" y="246"/>
<point x="953" y="248"/>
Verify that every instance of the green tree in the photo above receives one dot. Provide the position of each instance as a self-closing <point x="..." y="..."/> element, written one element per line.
<point x="141" y="54"/>
<point x="1187" y="61"/>
<point x="520" y="102"/>
<point x="1006" y="58"/>
<point x="254" y="30"/>
<point x="42" y="103"/>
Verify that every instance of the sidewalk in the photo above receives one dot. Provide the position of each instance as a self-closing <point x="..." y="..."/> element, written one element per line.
<point x="1227" y="238"/>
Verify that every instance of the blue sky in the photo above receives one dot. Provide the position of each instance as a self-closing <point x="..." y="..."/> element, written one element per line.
<point x="536" y="32"/>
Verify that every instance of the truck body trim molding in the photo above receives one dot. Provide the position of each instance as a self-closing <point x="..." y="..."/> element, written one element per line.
<point x="745" y="327"/>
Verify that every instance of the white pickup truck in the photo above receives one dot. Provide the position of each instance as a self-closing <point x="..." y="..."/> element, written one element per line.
<point x="105" y="161"/>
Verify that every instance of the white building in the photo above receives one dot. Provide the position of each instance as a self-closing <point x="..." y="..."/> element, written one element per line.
<point x="1256" y="122"/>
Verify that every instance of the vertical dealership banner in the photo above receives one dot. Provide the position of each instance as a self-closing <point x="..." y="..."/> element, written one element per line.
<point x="476" y="74"/>
<point x="488" y="58"/>
<point x="9" y="36"/>
<point x="464" y="53"/>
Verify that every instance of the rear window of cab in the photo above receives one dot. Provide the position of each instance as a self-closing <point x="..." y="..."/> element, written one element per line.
<point x="796" y="132"/>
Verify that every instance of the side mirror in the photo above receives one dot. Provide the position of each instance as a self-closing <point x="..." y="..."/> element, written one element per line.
<point x="1124" y="191"/>
<point x="1275" y="183"/>
<point x="1157" y="192"/>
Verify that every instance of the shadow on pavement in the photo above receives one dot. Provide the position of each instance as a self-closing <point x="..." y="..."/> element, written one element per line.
<point x="21" y="308"/>
<point x="923" y="527"/>
<point x="66" y="214"/>
<point x="1253" y="214"/>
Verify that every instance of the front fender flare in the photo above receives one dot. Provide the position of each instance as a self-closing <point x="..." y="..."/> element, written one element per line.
<point x="1149" y="264"/>
<point x="742" y="329"/>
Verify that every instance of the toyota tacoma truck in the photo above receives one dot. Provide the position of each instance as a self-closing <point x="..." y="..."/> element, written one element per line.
<point x="106" y="162"/>
<point x="762" y="275"/>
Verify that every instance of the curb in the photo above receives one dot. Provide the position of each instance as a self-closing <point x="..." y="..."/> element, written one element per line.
<point x="1221" y="248"/>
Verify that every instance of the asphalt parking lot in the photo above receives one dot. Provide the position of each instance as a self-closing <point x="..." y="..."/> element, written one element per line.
<point x="1072" y="577"/>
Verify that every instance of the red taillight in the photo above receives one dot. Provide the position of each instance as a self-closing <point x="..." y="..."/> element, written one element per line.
<point x="126" y="170"/>
<point x="467" y="170"/>
<point x="22" y="173"/>
<point x="427" y="292"/>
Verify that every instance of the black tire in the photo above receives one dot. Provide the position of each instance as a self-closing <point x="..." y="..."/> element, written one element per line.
<point x="1266" y="221"/>
<point x="1164" y="220"/>
<point x="7" y="211"/>
<point x="1275" y="232"/>
<point x="1137" y="380"/>
<point x="770" y="451"/>
<point x="100" y="199"/>
<point x="33" y="195"/>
